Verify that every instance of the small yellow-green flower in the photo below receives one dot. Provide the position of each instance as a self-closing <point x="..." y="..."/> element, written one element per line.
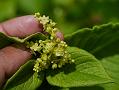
<point x="44" y="20"/>
<point x="51" y="52"/>
<point x="35" y="47"/>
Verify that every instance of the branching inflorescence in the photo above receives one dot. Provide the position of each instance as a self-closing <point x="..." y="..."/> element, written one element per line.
<point x="51" y="52"/>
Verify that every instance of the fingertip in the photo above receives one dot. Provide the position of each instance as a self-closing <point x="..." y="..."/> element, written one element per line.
<point x="12" y="58"/>
<point x="21" y="26"/>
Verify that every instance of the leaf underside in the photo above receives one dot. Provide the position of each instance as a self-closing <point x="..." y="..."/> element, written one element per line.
<point x="8" y="40"/>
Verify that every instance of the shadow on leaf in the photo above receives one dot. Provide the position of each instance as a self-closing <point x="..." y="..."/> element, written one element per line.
<point x="66" y="69"/>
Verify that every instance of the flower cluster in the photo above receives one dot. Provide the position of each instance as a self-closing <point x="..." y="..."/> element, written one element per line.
<point x="51" y="52"/>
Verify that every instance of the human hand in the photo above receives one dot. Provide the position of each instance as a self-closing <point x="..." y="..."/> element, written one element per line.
<point x="11" y="58"/>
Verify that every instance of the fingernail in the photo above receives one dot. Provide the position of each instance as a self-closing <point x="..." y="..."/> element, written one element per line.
<point x="60" y="35"/>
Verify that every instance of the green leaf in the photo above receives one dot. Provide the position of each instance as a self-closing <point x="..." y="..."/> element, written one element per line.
<point x="110" y="86"/>
<point x="111" y="64"/>
<point x="86" y="71"/>
<point x="4" y="40"/>
<point x="7" y="40"/>
<point x="25" y="78"/>
<point x="101" y="40"/>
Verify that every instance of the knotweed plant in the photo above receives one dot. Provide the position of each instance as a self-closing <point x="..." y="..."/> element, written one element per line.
<point x="56" y="65"/>
<point x="51" y="52"/>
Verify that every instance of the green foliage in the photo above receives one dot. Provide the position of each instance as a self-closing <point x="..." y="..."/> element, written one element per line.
<point x="86" y="71"/>
<point x="89" y="47"/>
<point x="111" y="65"/>
<point x="111" y="86"/>
<point x="24" y="78"/>
<point x="101" y="41"/>
<point x="112" y="61"/>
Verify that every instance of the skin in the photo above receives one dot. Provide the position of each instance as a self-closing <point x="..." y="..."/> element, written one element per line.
<point x="11" y="57"/>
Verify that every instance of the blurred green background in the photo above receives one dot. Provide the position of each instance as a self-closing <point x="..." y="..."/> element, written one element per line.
<point x="70" y="15"/>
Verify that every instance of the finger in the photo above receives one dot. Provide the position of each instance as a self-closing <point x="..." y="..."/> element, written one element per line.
<point x="2" y="77"/>
<point x="60" y="35"/>
<point x="11" y="59"/>
<point x="21" y="26"/>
